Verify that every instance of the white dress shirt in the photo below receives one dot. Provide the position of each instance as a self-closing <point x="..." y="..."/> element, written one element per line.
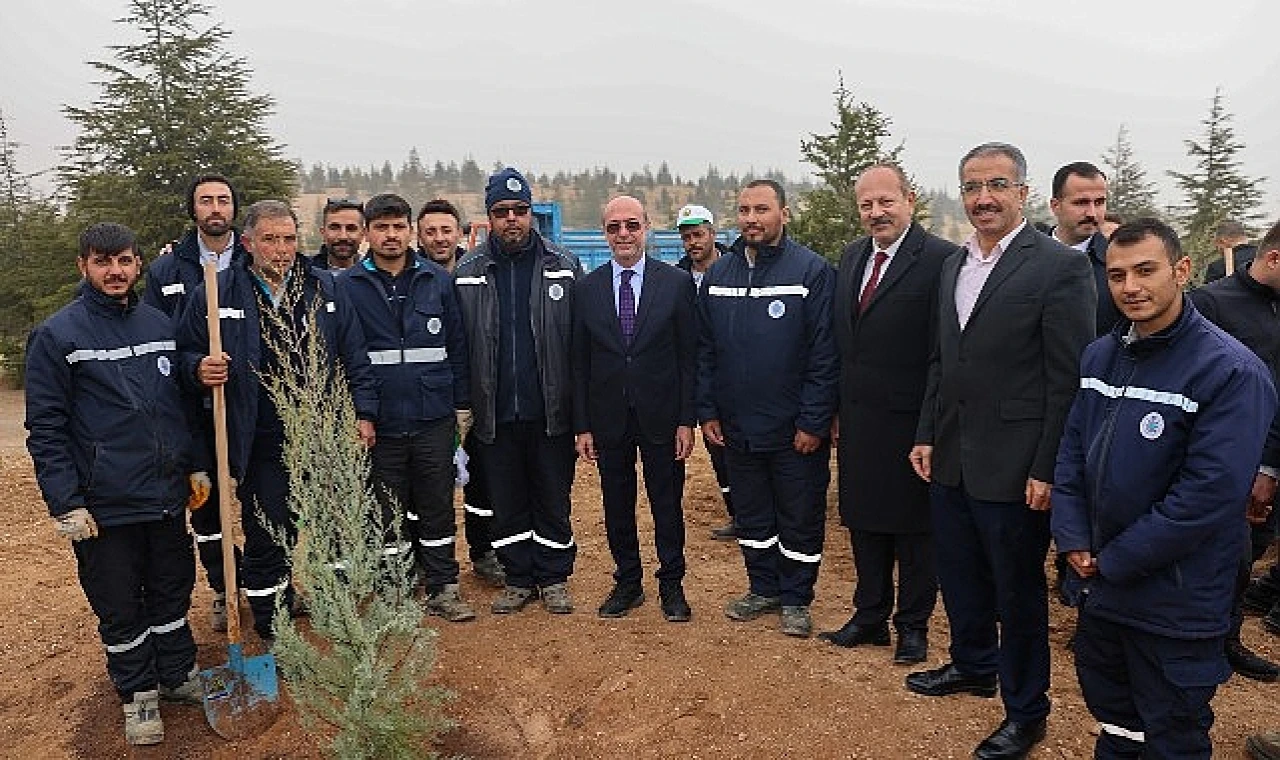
<point x="637" y="281"/>
<point x="974" y="271"/>
<point x="888" y="259"/>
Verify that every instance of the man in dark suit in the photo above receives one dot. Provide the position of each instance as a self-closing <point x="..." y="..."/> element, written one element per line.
<point x="1015" y="310"/>
<point x="886" y="296"/>
<point x="634" y="344"/>
<point x="1079" y="203"/>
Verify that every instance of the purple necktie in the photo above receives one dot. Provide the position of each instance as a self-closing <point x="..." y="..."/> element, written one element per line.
<point x="627" y="307"/>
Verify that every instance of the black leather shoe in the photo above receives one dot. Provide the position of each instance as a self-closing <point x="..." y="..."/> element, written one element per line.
<point x="621" y="600"/>
<point x="1259" y="597"/>
<point x="853" y="634"/>
<point x="913" y="647"/>
<point x="1011" y="740"/>
<point x="675" y="608"/>
<point x="947" y="679"/>
<point x="1250" y="665"/>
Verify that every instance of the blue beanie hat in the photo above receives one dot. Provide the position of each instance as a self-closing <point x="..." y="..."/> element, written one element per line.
<point x="506" y="185"/>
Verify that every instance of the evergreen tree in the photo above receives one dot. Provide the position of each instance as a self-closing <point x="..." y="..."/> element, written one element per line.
<point x="1216" y="189"/>
<point x="1129" y="193"/>
<point x="471" y="177"/>
<point x="172" y="104"/>
<point x="829" y="219"/>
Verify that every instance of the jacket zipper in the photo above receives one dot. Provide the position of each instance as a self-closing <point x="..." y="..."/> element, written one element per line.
<point x="1104" y="442"/>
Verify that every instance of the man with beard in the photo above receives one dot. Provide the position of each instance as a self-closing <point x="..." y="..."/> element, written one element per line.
<point x="517" y="298"/>
<point x="1079" y="203"/>
<point x="342" y="231"/>
<point x="439" y="238"/>
<point x="212" y="204"/>
<point x="271" y="279"/>
<point x="1015" y="309"/>
<point x="697" y="229"/>
<point x="886" y="295"/>
<point x="766" y="390"/>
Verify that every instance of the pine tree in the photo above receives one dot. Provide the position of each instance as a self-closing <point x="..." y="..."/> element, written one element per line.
<point x="1216" y="189"/>
<point x="1129" y="193"/>
<point x="828" y="218"/>
<point x="172" y="104"/>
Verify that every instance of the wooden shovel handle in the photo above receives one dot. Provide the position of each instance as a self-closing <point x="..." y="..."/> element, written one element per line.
<point x="226" y="498"/>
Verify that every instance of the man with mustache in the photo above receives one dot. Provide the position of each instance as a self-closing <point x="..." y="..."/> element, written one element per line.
<point x="1079" y="203"/>
<point x="272" y="279"/>
<point x="697" y="229"/>
<point x="766" y="389"/>
<point x="414" y="335"/>
<point x="1015" y="309"/>
<point x="517" y="296"/>
<point x="342" y="231"/>
<point x="212" y="203"/>
<point x="111" y="448"/>
<point x="439" y="238"/>
<point x="886" y="295"/>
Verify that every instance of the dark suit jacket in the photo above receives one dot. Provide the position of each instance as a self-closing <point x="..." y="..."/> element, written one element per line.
<point x="1108" y="313"/>
<point x="999" y="391"/>
<point x="884" y="364"/>
<point x="654" y="375"/>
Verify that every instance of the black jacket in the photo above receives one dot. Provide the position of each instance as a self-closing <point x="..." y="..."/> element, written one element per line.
<point x="1250" y="312"/>
<point x="1108" y="314"/>
<point x="767" y="362"/>
<point x="105" y="412"/>
<point x="1241" y="255"/>
<point x="241" y="323"/>
<point x="172" y="279"/>
<point x="551" y="304"/>
<point x="686" y="263"/>
<point x="420" y="360"/>
<point x="653" y="375"/>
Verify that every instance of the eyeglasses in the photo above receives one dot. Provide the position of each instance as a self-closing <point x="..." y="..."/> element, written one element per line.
<point x="996" y="185"/>
<point x="613" y="228"/>
<point x="502" y="212"/>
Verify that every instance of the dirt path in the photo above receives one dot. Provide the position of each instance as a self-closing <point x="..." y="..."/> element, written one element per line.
<point x="535" y="685"/>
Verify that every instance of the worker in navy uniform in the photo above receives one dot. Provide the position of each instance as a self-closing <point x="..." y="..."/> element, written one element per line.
<point x="273" y="279"/>
<point x="414" y="335"/>
<point x="342" y="232"/>
<point x="766" y="390"/>
<point x="697" y="228"/>
<point x="517" y="297"/>
<point x="439" y="239"/>
<point x="1156" y="462"/>
<point x="1247" y="305"/>
<point x="212" y="203"/>
<point x="111" y="448"/>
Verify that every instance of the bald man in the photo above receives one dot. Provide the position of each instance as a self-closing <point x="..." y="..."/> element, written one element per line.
<point x="634" y="346"/>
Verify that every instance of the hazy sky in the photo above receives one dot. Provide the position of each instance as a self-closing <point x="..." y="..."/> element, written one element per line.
<point x="557" y="84"/>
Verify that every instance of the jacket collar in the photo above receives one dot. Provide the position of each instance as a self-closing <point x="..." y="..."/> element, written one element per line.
<point x="1254" y="286"/>
<point x="765" y="252"/>
<point x="1140" y="347"/>
<point x="99" y="301"/>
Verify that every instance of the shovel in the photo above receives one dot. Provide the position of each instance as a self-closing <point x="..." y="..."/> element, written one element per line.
<point x="240" y="698"/>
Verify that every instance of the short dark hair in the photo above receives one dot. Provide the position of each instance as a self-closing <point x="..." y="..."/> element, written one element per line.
<point x="107" y="238"/>
<point x="1271" y="240"/>
<point x="201" y="179"/>
<point x="386" y="205"/>
<point x="1082" y="169"/>
<point x="440" y="206"/>
<point x="773" y="184"/>
<point x="334" y="205"/>
<point x="1230" y="228"/>
<point x="1134" y="232"/>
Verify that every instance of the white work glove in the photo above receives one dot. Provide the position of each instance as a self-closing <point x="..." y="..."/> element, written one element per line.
<point x="201" y="487"/>
<point x="76" y="525"/>
<point x="460" y="459"/>
<point x="464" y="424"/>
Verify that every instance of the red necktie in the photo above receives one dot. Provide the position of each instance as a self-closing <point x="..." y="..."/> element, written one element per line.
<point x="870" y="289"/>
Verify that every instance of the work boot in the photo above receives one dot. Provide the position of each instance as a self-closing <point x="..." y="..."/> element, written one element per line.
<point x="448" y="604"/>
<point x="556" y="599"/>
<point x="1259" y="597"/>
<point x="189" y="692"/>
<point x="489" y="569"/>
<point x="142" y="724"/>
<point x="1249" y="664"/>
<point x="750" y="607"/>
<point x="796" y="621"/>
<point x="726" y="532"/>
<point x="1264" y="746"/>
<point x="512" y="599"/>
<point x="218" y="613"/>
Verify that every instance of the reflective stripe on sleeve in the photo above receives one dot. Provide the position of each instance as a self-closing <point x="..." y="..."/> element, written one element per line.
<point x="477" y="511"/>
<point x="330" y="306"/>
<point x="206" y="538"/>
<point x="752" y="543"/>
<point x="118" y="648"/>
<point x="798" y="557"/>
<point x="408" y="356"/>
<point x="553" y="544"/>
<point x="470" y="280"/>
<point x="767" y="291"/>
<point x="1122" y="732"/>
<point x="281" y="586"/>
<point x="116" y="354"/>
<point x="1141" y="394"/>
<point x="175" y="289"/>
<point x="394" y="549"/>
<point x="169" y="627"/>
<point x="434" y="543"/>
<point x="558" y="274"/>
<point x="225" y="313"/>
<point x="517" y="538"/>
<point x="411" y="516"/>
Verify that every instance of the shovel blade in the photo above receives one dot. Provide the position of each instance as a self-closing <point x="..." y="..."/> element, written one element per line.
<point x="241" y="698"/>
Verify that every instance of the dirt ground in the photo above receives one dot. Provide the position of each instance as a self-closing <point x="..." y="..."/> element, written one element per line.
<point x="534" y="685"/>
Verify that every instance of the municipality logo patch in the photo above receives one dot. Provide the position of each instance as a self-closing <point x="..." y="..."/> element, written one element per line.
<point x="1151" y="426"/>
<point x="433" y="325"/>
<point x="556" y="291"/>
<point x="514" y="185"/>
<point x="162" y="364"/>
<point x="777" y="309"/>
